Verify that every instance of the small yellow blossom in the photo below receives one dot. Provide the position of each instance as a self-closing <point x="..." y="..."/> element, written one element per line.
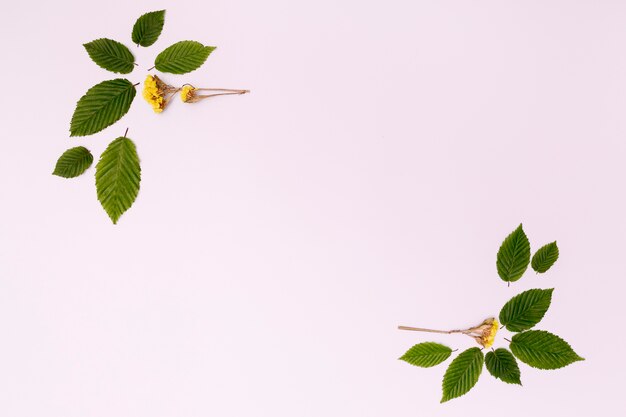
<point x="485" y="332"/>
<point x="489" y="334"/>
<point x="187" y="93"/>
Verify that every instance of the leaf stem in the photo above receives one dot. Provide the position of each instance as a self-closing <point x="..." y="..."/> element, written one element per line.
<point x="150" y="69"/>
<point x="125" y="133"/>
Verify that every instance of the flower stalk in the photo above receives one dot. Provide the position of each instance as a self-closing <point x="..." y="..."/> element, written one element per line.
<point x="158" y="93"/>
<point x="189" y="93"/>
<point x="484" y="333"/>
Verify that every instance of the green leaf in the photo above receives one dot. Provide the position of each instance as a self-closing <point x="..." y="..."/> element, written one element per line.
<point x="102" y="105"/>
<point x="183" y="57"/>
<point x="111" y="55"/>
<point x="502" y="365"/>
<point x="543" y="350"/>
<point x="462" y="374"/>
<point x="513" y="256"/>
<point x="545" y="257"/>
<point x="117" y="177"/>
<point x="526" y="309"/>
<point x="148" y="27"/>
<point x="73" y="162"/>
<point x="427" y="354"/>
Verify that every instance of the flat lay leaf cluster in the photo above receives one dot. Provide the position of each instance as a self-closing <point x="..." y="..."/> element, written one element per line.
<point x="536" y="348"/>
<point x="118" y="172"/>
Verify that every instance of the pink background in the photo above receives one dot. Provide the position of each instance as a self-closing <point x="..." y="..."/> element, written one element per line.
<point x="279" y="238"/>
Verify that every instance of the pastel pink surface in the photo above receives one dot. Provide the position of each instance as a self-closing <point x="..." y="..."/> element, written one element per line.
<point x="280" y="237"/>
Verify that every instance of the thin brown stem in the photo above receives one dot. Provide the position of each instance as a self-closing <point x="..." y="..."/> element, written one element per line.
<point x="224" y="89"/>
<point x="173" y="94"/>
<point x="419" y="329"/>
<point x="200" y="96"/>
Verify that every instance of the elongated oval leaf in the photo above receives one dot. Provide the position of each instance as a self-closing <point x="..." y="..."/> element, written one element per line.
<point x="543" y="350"/>
<point x="462" y="374"/>
<point x="73" y="162"/>
<point x="545" y="257"/>
<point x="526" y="309"/>
<point x="183" y="57"/>
<point x="513" y="256"/>
<point x="502" y="365"/>
<point x="148" y="27"/>
<point x="111" y="55"/>
<point x="102" y="105"/>
<point x="427" y="354"/>
<point x="117" y="177"/>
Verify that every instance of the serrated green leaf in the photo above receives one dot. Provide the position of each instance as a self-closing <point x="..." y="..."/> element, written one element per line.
<point x="525" y="309"/>
<point x="117" y="177"/>
<point x="183" y="57"/>
<point x="427" y="354"/>
<point x="148" y="27"/>
<point x="502" y="365"/>
<point x="73" y="162"/>
<point x="111" y="55"/>
<point x="545" y="257"/>
<point x="543" y="350"/>
<point x="513" y="256"/>
<point x="462" y="374"/>
<point x="102" y="105"/>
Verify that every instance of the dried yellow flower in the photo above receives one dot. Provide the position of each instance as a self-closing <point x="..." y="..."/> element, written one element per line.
<point x="155" y="91"/>
<point x="484" y="333"/>
<point x="187" y="93"/>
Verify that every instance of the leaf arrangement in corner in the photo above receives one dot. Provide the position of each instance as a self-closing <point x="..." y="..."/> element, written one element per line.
<point x="118" y="172"/>
<point x="536" y="348"/>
